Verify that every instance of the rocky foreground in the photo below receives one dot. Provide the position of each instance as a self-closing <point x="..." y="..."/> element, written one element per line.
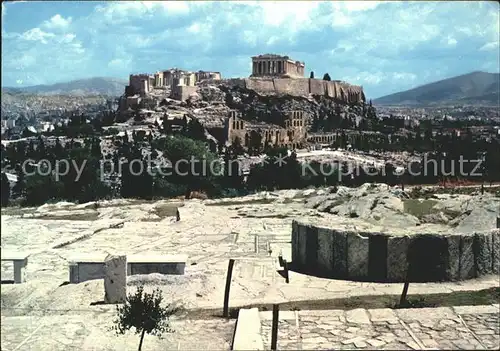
<point x="381" y="205"/>
<point x="253" y="230"/>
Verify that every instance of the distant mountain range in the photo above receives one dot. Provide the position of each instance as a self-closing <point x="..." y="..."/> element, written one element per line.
<point x="81" y="87"/>
<point x="476" y="88"/>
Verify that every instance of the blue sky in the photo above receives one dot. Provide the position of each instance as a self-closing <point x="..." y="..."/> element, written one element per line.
<point x="384" y="46"/>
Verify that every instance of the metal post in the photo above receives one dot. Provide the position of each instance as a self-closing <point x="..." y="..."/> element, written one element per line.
<point x="274" y="329"/>
<point x="285" y="267"/>
<point x="228" y="287"/>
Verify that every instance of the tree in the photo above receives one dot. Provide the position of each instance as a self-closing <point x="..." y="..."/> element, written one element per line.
<point x="5" y="189"/>
<point x="312" y="75"/>
<point x="144" y="312"/>
<point x="193" y="164"/>
<point x="327" y="77"/>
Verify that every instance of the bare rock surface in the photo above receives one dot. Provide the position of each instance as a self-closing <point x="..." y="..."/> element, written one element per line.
<point x="253" y="230"/>
<point x="381" y="205"/>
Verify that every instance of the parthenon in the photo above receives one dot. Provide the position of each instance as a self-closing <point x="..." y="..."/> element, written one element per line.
<point x="271" y="65"/>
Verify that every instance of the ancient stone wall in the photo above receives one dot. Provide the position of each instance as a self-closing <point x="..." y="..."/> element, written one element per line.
<point x="300" y="87"/>
<point x="380" y="257"/>
<point x="261" y="85"/>
<point x="333" y="89"/>
<point x="284" y="86"/>
<point x="182" y="92"/>
<point x="317" y="86"/>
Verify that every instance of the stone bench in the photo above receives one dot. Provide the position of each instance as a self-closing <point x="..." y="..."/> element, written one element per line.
<point x="88" y="267"/>
<point x="20" y="260"/>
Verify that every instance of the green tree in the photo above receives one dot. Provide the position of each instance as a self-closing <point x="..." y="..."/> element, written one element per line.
<point x="42" y="188"/>
<point x="327" y="77"/>
<point x="192" y="164"/>
<point x="143" y="312"/>
<point x="312" y="75"/>
<point x="195" y="130"/>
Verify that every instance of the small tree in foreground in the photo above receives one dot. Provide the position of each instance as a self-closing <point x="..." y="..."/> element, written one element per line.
<point x="144" y="312"/>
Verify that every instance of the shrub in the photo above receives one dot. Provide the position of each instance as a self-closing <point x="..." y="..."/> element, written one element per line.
<point x="144" y="313"/>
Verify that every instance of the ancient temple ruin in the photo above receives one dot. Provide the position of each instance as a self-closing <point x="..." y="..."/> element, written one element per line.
<point x="290" y="130"/>
<point x="271" y="65"/>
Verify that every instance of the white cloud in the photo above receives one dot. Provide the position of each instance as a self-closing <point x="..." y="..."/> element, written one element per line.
<point x="173" y="7"/>
<point x="366" y="77"/>
<point x="404" y="76"/>
<point x="25" y="61"/>
<point x="342" y="20"/>
<point x="355" y="6"/>
<point x="36" y="34"/>
<point x="449" y="41"/>
<point x="67" y="38"/>
<point x="120" y="11"/>
<point x="249" y="37"/>
<point x="370" y="43"/>
<point x="292" y="13"/>
<point x="490" y="46"/>
<point x="119" y="63"/>
<point x="194" y="28"/>
<point x="57" y="22"/>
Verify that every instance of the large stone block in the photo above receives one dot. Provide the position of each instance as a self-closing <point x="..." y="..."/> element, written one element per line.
<point x="317" y="87"/>
<point x="397" y="263"/>
<point x="91" y="271"/>
<point x="261" y="85"/>
<point x="428" y="258"/>
<point x="495" y="259"/>
<point x="311" y="249"/>
<point x="483" y="253"/>
<point x="295" y="242"/>
<point x="357" y="255"/>
<point x="115" y="281"/>
<point x="467" y="266"/>
<point x="453" y="262"/>
<point x="174" y="268"/>
<point x="73" y="273"/>
<point x="331" y="89"/>
<point x="283" y="86"/>
<point x="299" y="87"/>
<point x="377" y="257"/>
<point x="340" y="254"/>
<point x="301" y="242"/>
<point x="325" y="250"/>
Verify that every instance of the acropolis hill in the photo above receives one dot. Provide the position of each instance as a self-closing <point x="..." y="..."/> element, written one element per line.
<point x="271" y="74"/>
<point x="276" y="105"/>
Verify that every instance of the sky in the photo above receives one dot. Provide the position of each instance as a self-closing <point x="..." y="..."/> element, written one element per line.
<point x="386" y="46"/>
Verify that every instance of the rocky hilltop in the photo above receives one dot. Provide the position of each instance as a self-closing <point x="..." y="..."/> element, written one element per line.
<point x="266" y="107"/>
